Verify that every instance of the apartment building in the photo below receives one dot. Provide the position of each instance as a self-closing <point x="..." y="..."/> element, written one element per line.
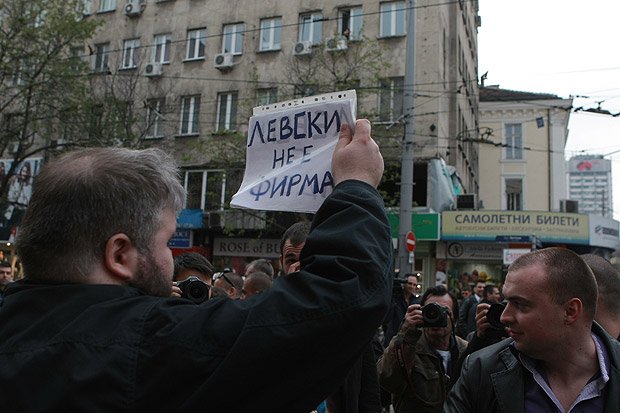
<point x="197" y="69"/>
<point x="589" y="185"/>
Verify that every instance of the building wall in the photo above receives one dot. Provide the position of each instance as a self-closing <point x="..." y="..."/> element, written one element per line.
<point x="541" y="173"/>
<point x="445" y="70"/>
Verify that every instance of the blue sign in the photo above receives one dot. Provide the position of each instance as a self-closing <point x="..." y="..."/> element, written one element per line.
<point x="513" y="238"/>
<point x="182" y="239"/>
<point x="190" y="218"/>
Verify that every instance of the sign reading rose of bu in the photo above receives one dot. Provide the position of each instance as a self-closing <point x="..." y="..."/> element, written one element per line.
<point x="289" y="152"/>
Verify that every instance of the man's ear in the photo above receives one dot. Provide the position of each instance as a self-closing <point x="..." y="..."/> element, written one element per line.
<point x="573" y="309"/>
<point x="120" y="257"/>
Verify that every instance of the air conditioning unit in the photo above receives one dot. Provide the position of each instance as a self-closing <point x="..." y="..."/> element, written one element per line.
<point x="568" y="205"/>
<point x="467" y="201"/>
<point x="223" y="61"/>
<point x="336" y="44"/>
<point x="303" y="48"/>
<point x="153" y="70"/>
<point x="134" y="8"/>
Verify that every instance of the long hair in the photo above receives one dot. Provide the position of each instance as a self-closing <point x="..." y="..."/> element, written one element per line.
<point x="84" y="197"/>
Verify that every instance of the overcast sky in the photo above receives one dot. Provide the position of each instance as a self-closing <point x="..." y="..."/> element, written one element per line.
<point x="564" y="47"/>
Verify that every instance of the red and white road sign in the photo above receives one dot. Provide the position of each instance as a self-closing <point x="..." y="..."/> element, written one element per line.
<point x="410" y="241"/>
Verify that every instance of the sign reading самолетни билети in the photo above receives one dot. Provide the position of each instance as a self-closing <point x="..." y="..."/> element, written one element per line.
<point x="289" y="152"/>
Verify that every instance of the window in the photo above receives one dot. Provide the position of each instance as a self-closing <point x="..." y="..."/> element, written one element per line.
<point x="226" y="111"/>
<point x="270" y="34"/>
<point x="267" y="96"/>
<point x="107" y="5"/>
<point x="85" y="7"/>
<point x="310" y="28"/>
<point x="102" y="57"/>
<point x="161" y="50"/>
<point x="206" y="189"/>
<point x="513" y="141"/>
<point x="190" y="111"/>
<point x="155" y="117"/>
<point x="130" y="53"/>
<point x="350" y="23"/>
<point x="391" y="99"/>
<point x="196" y="44"/>
<point x="514" y="194"/>
<point x="232" y="41"/>
<point x="392" y="19"/>
<point x="302" y="91"/>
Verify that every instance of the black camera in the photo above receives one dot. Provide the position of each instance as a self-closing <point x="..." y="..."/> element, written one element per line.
<point x="493" y="315"/>
<point x="195" y="289"/>
<point x="434" y="315"/>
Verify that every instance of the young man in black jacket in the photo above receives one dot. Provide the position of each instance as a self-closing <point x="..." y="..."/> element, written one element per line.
<point x="93" y="326"/>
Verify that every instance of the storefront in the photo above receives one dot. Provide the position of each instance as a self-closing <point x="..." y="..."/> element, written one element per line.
<point x="484" y="243"/>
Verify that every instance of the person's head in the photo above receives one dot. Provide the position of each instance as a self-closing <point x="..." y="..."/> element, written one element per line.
<point x="479" y="288"/>
<point x="551" y="296"/>
<point x="192" y="263"/>
<point x="103" y="215"/>
<point x="261" y="265"/>
<point x="439" y="294"/>
<point x="291" y="244"/>
<point x="255" y="283"/>
<point x="6" y="273"/>
<point x="230" y="282"/>
<point x="24" y="171"/>
<point x="608" y="282"/>
<point x="491" y="294"/>
<point x="410" y="286"/>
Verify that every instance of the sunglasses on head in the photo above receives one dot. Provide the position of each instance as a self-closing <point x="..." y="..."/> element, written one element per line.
<point x="222" y="274"/>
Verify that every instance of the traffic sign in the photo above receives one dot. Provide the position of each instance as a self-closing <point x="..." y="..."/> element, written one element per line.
<point x="410" y="241"/>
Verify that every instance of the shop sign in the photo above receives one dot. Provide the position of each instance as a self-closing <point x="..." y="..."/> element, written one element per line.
<point x="473" y="251"/>
<point x="246" y="247"/>
<point x="604" y="232"/>
<point x="511" y="254"/>
<point x="424" y="225"/>
<point x="487" y="225"/>
<point x="182" y="239"/>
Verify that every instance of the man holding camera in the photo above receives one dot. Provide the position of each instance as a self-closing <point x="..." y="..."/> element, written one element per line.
<point x="419" y="366"/>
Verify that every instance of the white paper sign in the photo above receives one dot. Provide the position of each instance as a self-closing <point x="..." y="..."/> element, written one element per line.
<point x="289" y="152"/>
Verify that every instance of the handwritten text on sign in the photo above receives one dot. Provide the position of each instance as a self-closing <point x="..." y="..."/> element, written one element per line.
<point x="289" y="152"/>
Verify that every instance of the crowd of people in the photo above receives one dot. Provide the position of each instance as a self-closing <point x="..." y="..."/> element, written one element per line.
<point x="107" y="319"/>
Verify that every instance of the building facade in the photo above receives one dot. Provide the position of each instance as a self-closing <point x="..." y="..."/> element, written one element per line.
<point x="589" y="185"/>
<point x="198" y="69"/>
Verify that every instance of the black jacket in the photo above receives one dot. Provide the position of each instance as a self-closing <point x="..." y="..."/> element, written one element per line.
<point x="492" y="380"/>
<point x="110" y="348"/>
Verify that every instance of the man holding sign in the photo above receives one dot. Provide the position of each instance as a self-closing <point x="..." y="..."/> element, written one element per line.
<point x="95" y="306"/>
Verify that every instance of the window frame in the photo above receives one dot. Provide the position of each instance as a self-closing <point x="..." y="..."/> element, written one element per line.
<point x="155" y="112"/>
<point x="107" y="6"/>
<point x="391" y="85"/>
<point x="101" y="59"/>
<point x="130" y="50"/>
<point x="161" y="48"/>
<point x="190" y="115"/>
<point x="198" y="51"/>
<point x="274" y="34"/>
<point x="231" y="110"/>
<point x="311" y="21"/>
<point x="231" y="31"/>
<point x="266" y="96"/>
<point x="355" y="32"/>
<point x="509" y="202"/>
<point x="391" y="9"/>
<point x="513" y="151"/>
<point x="204" y="188"/>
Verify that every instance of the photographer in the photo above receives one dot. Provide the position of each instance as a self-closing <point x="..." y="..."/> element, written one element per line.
<point x="420" y="364"/>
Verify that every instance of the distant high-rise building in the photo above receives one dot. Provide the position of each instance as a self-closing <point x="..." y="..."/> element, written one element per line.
<point x="589" y="183"/>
